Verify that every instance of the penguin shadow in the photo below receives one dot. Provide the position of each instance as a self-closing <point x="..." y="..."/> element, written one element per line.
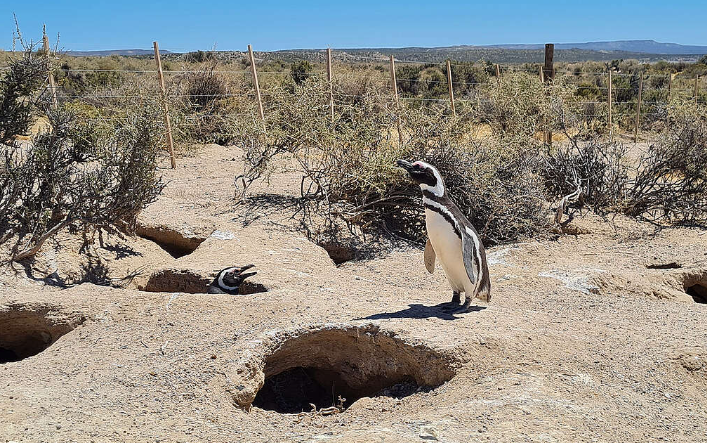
<point x="416" y="310"/>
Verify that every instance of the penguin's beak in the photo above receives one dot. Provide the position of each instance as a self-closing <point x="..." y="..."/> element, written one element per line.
<point x="246" y="275"/>
<point x="404" y="164"/>
<point x="242" y="276"/>
<point x="245" y="268"/>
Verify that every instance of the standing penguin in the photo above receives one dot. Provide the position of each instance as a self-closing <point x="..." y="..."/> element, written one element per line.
<point x="451" y="237"/>
<point x="228" y="281"/>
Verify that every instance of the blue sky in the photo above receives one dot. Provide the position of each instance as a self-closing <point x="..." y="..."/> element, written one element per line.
<point x="269" y="25"/>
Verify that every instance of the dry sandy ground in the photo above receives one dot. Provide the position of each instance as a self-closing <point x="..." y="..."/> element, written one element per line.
<point x="587" y="338"/>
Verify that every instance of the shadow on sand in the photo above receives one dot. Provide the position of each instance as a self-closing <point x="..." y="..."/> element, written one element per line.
<point x="441" y="311"/>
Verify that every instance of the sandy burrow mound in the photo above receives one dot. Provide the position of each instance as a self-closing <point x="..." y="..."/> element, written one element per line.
<point x="669" y="282"/>
<point x="193" y="273"/>
<point x="190" y="281"/>
<point x="176" y="280"/>
<point x="27" y="329"/>
<point x="279" y="258"/>
<point x="178" y="241"/>
<point x="366" y="357"/>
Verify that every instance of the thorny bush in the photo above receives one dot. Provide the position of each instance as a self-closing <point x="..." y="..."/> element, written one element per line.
<point x="502" y="181"/>
<point x="74" y="173"/>
<point x="596" y="170"/>
<point x="665" y="184"/>
<point x="671" y="180"/>
<point x="348" y="165"/>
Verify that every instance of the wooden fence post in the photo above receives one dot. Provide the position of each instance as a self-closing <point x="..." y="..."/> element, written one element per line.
<point x="331" y="84"/>
<point x="638" y="109"/>
<point x="52" y="86"/>
<point x="257" y="86"/>
<point x="542" y="75"/>
<point x="451" y="89"/>
<point x="670" y="90"/>
<point x="397" y="100"/>
<point x="697" y="88"/>
<point x="611" y="129"/>
<point x="548" y="74"/>
<point x="165" y="110"/>
<point x="549" y="71"/>
<point x="498" y="74"/>
<point x="670" y="85"/>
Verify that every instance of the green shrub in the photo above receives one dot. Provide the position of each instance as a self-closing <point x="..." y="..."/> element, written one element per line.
<point x="106" y="74"/>
<point x="300" y="71"/>
<point x="588" y="90"/>
<point x="519" y="104"/>
<point x="468" y="76"/>
<point x="199" y="57"/>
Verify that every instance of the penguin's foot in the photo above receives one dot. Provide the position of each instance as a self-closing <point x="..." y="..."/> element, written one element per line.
<point x="456" y="298"/>
<point x="466" y="307"/>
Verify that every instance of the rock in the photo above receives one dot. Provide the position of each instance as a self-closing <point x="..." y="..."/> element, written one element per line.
<point x="429" y="433"/>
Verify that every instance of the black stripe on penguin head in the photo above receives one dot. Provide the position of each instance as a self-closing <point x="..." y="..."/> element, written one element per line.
<point x="419" y="172"/>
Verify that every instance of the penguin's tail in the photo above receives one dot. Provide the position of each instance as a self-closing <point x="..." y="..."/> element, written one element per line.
<point x="484" y="291"/>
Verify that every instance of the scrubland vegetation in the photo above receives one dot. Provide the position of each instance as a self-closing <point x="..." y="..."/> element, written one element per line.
<point x="96" y="165"/>
<point x="76" y="173"/>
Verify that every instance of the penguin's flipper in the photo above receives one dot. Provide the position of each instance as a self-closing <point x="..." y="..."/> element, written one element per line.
<point x="470" y="253"/>
<point x="429" y="257"/>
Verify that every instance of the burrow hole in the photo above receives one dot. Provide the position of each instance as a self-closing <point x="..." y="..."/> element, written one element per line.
<point x="338" y="252"/>
<point x="337" y="366"/>
<point x="28" y="330"/>
<point x="671" y="265"/>
<point x="172" y="241"/>
<point x="694" y="283"/>
<point x="698" y="292"/>
<point x="192" y="282"/>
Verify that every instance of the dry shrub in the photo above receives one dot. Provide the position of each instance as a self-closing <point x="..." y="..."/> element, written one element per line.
<point x="18" y="84"/>
<point x="205" y="89"/>
<point x="598" y="169"/>
<point x="496" y="184"/>
<point x="668" y="183"/>
<point x="671" y="181"/>
<point x="85" y="175"/>
<point x="349" y="173"/>
<point x="519" y="104"/>
<point x="74" y="174"/>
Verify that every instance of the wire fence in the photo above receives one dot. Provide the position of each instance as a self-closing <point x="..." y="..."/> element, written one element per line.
<point x="591" y="95"/>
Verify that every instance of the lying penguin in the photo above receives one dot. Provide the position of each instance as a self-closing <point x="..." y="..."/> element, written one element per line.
<point x="229" y="280"/>
<point x="451" y="237"/>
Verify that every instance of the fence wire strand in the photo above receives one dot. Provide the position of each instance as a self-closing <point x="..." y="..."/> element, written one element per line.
<point x="685" y="93"/>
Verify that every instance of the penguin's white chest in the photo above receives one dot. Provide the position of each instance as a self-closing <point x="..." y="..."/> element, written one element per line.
<point x="448" y="249"/>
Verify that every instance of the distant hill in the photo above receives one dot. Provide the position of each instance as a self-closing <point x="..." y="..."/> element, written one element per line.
<point x="470" y="54"/>
<point x="643" y="50"/>
<point x="105" y="53"/>
<point x="641" y="46"/>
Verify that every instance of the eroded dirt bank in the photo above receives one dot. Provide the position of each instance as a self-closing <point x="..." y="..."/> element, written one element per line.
<point x="596" y="337"/>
